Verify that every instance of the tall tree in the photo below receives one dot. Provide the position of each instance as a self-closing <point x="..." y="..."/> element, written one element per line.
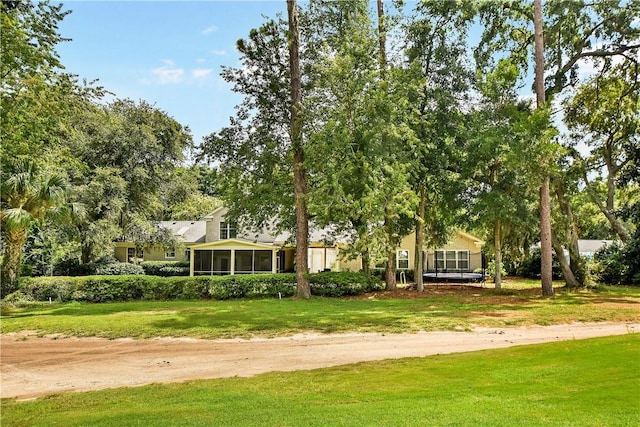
<point x="546" y="273"/>
<point x="126" y="153"/>
<point x="37" y="99"/>
<point x="342" y="137"/>
<point x="303" y="289"/>
<point x="497" y="163"/>
<point x="575" y="32"/>
<point x="604" y="116"/>
<point x="439" y="79"/>
<point x="254" y="151"/>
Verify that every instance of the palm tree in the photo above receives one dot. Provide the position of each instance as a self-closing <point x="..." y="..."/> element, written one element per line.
<point x="25" y="196"/>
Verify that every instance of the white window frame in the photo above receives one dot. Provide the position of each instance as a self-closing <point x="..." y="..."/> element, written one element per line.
<point x="170" y="254"/>
<point x="403" y="258"/>
<point x="227" y="230"/>
<point x="452" y="260"/>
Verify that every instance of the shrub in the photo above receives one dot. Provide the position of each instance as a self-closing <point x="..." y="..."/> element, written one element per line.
<point x="166" y="268"/>
<point x="72" y="267"/>
<point x="117" y="269"/>
<point x="608" y="265"/>
<point x="107" y="288"/>
<point x="532" y="265"/>
<point x="491" y="269"/>
<point x="337" y="284"/>
<point x="42" y="288"/>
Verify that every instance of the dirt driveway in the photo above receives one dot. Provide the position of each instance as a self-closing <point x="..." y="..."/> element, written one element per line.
<point x="31" y="367"/>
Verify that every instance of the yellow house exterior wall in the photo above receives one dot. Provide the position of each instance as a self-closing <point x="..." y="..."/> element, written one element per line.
<point x="460" y="242"/>
<point x="155" y="253"/>
<point x="120" y="253"/>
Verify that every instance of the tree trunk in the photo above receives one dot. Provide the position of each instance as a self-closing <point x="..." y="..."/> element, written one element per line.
<point x="420" y="219"/>
<point x="14" y="244"/>
<point x="366" y="260"/>
<point x="382" y="38"/>
<point x="546" y="255"/>
<point x="390" y="279"/>
<point x="575" y="260"/>
<point x="569" y="278"/>
<point x="545" y="200"/>
<point x="616" y="224"/>
<point x="497" y="278"/>
<point x="303" y="289"/>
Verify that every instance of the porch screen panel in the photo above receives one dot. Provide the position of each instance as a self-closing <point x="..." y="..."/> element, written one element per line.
<point x="202" y="262"/>
<point x="263" y="261"/>
<point x="244" y="261"/>
<point x="221" y="262"/>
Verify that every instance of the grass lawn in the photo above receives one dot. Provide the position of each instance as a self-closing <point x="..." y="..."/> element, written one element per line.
<point x="591" y="382"/>
<point x="438" y="308"/>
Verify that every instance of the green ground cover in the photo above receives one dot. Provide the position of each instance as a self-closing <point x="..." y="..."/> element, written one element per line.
<point x="439" y="308"/>
<point x="591" y="382"/>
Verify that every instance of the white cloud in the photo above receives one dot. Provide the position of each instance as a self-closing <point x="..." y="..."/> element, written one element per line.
<point x="219" y="52"/>
<point x="200" y="73"/>
<point x="209" y="30"/>
<point x="168" y="74"/>
<point x="200" y="60"/>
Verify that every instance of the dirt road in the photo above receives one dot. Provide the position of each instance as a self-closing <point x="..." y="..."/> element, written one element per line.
<point x="32" y="367"/>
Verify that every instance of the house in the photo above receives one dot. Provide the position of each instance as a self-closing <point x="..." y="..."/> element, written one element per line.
<point x="588" y="248"/>
<point x="214" y="246"/>
<point x="187" y="233"/>
<point x="230" y="251"/>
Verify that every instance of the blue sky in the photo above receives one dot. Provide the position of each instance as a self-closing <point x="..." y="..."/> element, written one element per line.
<point x="168" y="53"/>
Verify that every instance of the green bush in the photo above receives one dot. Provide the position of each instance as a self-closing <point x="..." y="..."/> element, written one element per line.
<point x="530" y="268"/>
<point x="608" y="265"/>
<point x="338" y="284"/>
<point x="98" y="289"/>
<point x="42" y="288"/>
<point x="166" y="268"/>
<point x="117" y="269"/>
<point x="491" y="269"/>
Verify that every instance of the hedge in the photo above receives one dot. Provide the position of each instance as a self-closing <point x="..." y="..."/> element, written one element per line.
<point x="165" y="268"/>
<point x="99" y="289"/>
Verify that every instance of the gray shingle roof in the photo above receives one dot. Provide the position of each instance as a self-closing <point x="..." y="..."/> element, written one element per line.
<point x="187" y="231"/>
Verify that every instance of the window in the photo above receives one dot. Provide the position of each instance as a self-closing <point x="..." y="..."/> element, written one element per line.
<point x="135" y="254"/>
<point x="452" y="260"/>
<point x="227" y="231"/>
<point x="187" y="254"/>
<point x="171" y="253"/>
<point x="463" y="260"/>
<point x="403" y="259"/>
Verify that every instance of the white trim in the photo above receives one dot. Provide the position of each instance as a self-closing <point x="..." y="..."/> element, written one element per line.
<point x="398" y="259"/>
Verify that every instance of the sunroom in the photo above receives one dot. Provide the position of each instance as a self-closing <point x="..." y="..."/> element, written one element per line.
<point x="232" y="256"/>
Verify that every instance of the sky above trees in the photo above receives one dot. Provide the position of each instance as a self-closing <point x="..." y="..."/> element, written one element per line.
<point x="168" y="53"/>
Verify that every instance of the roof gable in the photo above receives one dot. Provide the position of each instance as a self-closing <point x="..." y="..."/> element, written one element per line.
<point x="476" y="241"/>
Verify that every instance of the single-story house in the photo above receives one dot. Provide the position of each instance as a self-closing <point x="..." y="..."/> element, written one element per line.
<point x="588" y="248"/>
<point x="214" y="246"/>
